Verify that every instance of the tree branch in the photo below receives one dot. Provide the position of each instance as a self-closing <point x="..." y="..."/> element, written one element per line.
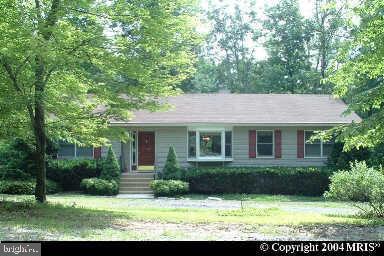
<point x="12" y="75"/>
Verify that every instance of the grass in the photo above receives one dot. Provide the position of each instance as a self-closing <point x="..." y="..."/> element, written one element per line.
<point x="73" y="216"/>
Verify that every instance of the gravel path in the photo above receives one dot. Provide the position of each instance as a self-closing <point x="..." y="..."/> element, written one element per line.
<point x="235" y="204"/>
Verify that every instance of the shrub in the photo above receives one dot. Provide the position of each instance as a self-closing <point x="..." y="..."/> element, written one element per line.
<point x="169" y="187"/>
<point x="95" y="186"/>
<point x="69" y="173"/>
<point x="339" y="160"/>
<point x="309" y="181"/>
<point x="110" y="167"/>
<point x="18" y="154"/>
<point x="16" y="187"/>
<point x="13" y="174"/>
<point x="355" y="185"/>
<point x="172" y="170"/>
<point x="361" y="183"/>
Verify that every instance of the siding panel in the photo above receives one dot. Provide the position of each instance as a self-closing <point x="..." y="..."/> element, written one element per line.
<point x="177" y="137"/>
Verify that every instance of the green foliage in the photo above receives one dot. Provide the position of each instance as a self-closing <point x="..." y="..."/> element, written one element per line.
<point x="340" y="160"/>
<point x="287" y="43"/>
<point x="361" y="183"/>
<point x="108" y="181"/>
<point x="79" y="59"/>
<point x="17" y="155"/>
<point x="376" y="158"/>
<point x="110" y="167"/>
<point x="172" y="170"/>
<point x="13" y="174"/>
<point x="16" y="187"/>
<point x="309" y="181"/>
<point x="60" y="61"/>
<point x="169" y="187"/>
<point x="96" y="186"/>
<point x="358" y="77"/>
<point x="231" y="31"/>
<point x="69" y="173"/>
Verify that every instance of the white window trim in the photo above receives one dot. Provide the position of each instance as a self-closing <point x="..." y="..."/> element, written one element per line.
<point x="136" y="150"/>
<point x="321" y="148"/>
<point x="222" y="131"/>
<point x="273" y="144"/>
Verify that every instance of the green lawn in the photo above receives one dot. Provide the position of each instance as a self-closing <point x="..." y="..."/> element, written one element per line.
<point x="72" y="216"/>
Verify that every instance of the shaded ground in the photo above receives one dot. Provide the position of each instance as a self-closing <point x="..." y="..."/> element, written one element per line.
<point x="77" y="217"/>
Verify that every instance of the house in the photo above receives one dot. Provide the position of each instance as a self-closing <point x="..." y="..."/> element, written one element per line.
<point x="228" y="129"/>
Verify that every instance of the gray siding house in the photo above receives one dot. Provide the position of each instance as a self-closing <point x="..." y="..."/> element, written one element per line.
<point x="228" y="129"/>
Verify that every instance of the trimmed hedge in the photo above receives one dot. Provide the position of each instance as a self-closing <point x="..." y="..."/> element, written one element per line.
<point x="308" y="181"/>
<point x="16" y="187"/>
<point x="14" y="174"/>
<point x="169" y="187"/>
<point x="96" y="186"/>
<point x="69" y="173"/>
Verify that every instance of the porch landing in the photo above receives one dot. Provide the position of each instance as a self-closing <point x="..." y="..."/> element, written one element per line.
<point x="136" y="183"/>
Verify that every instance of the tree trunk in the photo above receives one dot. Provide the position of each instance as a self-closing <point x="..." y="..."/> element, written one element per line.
<point x="45" y="29"/>
<point x="39" y="131"/>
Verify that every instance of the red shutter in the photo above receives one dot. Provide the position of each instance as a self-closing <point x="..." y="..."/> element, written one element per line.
<point x="252" y="144"/>
<point x="300" y="144"/>
<point x="277" y="143"/>
<point x="97" y="153"/>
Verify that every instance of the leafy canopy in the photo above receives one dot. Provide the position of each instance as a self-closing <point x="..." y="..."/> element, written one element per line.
<point x="121" y="55"/>
<point x="358" y="77"/>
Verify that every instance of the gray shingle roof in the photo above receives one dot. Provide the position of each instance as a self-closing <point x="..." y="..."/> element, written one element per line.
<point x="249" y="109"/>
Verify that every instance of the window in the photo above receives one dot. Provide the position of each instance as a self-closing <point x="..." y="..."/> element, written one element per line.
<point x="67" y="150"/>
<point x="264" y="143"/>
<point x="327" y="148"/>
<point x="316" y="148"/>
<point x="209" y="144"/>
<point x="191" y="144"/>
<point x="84" y="152"/>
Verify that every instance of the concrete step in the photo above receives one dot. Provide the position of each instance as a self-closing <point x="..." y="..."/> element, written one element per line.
<point x="137" y="178"/>
<point x="136" y="173"/>
<point x="135" y="191"/>
<point x="134" y="184"/>
<point x="143" y="186"/>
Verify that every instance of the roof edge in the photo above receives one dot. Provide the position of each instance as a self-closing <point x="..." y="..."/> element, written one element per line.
<point x="133" y="124"/>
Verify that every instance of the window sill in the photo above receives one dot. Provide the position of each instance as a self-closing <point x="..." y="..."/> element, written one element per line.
<point x="201" y="159"/>
<point x="265" y="157"/>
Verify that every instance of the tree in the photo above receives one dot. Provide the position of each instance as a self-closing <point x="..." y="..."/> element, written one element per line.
<point x="68" y="67"/>
<point x="328" y="25"/>
<point x="110" y="167"/>
<point x="358" y="77"/>
<point x="228" y="44"/>
<point x="287" y="45"/>
<point x="205" y="80"/>
<point x="171" y="169"/>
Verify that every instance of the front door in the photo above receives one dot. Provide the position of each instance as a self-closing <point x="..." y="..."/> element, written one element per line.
<point x="146" y="148"/>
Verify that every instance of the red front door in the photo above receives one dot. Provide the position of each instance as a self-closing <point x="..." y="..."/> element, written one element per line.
<point x="146" y="148"/>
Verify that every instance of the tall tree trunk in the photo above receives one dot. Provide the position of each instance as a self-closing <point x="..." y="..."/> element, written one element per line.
<point x="39" y="131"/>
<point x="41" y="76"/>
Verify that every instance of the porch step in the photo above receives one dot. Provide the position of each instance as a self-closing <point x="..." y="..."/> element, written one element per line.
<point x="136" y="179"/>
<point x="135" y="191"/>
<point x="136" y="183"/>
